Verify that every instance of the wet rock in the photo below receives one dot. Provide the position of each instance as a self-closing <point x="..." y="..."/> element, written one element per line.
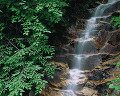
<point x="62" y="59"/>
<point x="106" y="57"/>
<point x="68" y="49"/>
<point x="80" y="24"/>
<point x="112" y="8"/>
<point x="102" y="89"/>
<point x="110" y="49"/>
<point x="93" y="60"/>
<point x="98" y="75"/>
<point x="67" y="93"/>
<point x="90" y="85"/>
<point x="82" y="81"/>
<point x="93" y="84"/>
<point x="115" y="38"/>
<point x="89" y="47"/>
<point x="105" y="25"/>
<point x="52" y="92"/>
<point x="87" y="92"/>
<point x="116" y="13"/>
<point x="60" y="75"/>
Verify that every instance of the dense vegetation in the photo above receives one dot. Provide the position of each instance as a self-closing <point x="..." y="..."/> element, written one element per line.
<point x="25" y="26"/>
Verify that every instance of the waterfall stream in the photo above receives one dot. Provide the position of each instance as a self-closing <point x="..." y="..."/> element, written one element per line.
<point x="84" y="49"/>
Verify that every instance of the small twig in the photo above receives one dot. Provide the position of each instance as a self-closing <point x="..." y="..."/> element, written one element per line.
<point x="12" y="44"/>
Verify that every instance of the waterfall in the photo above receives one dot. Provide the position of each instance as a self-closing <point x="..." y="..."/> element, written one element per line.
<point x="101" y="8"/>
<point x="84" y="49"/>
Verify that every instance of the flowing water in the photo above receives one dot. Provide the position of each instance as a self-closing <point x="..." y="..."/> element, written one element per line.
<point x="84" y="49"/>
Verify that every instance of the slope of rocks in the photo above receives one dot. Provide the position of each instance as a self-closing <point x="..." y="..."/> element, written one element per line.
<point x="107" y="43"/>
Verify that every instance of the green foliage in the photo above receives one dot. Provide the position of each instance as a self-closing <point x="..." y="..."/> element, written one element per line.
<point x="118" y="64"/>
<point x="114" y="84"/>
<point x="25" y="26"/>
<point x="116" y="20"/>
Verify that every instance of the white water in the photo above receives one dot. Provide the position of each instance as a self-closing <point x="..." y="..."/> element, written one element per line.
<point x="76" y="73"/>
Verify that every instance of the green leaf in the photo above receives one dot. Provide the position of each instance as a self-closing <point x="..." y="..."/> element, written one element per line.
<point x="111" y="86"/>
<point x="112" y="80"/>
<point x="25" y="7"/>
<point x="116" y="23"/>
<point x="118" y="64"/>
<point x="13" y="8"/>
<point x="112" y="19"/>
<point x="22" y="3"/>
<point x="1" y="11"/>
<point x="117" y="87"/>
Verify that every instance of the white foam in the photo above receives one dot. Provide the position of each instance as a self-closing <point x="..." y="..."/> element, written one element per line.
<point x="75" y="75"/>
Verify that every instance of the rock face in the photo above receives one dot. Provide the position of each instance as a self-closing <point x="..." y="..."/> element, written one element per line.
<point x="106" y="43"/>
<point x="112" y="8"/>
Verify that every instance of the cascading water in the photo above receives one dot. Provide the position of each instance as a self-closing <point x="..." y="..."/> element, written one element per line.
<point x="84" y="49"/>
